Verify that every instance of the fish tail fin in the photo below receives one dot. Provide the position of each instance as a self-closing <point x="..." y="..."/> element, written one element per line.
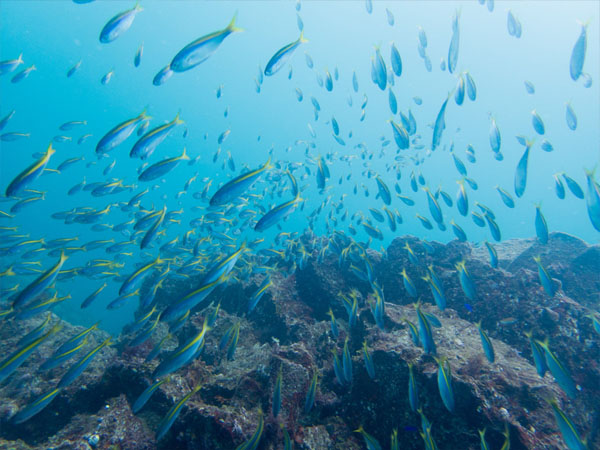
<point x="231" y="27"/>
<point x="268" y="164"/>
<point x="138" y="7"/>
<point x="184" y="155"/>
<point x="302" y="39"/>
<point x="20" y="58"/>
<point x="144" y="115"/>
<point x="177" y="120"/>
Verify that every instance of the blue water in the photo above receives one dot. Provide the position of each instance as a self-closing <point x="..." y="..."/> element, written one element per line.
<point x="55" y="35"/>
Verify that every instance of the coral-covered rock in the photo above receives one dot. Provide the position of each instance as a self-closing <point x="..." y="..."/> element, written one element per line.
<point x="289" y="331"/>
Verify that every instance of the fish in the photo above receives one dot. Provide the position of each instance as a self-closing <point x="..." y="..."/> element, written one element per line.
<point x="146" y="394"/>
<point x="444" y="381"/>
<point x="408" y="284"/>
<point x="471" y="87"/>
<point x="466" y="282"/>
<point x="267" y="283"/>
<point x="401" y="137"/>
<point x="182" y="355"/>
<point x="107" y="77"/>
<point x="9" y="65"/>
<point x="486" y="343"/>
<point x="136" y="277"/>
<point x="238" y="186"/>
<point x="384" y="191"/>
<point x="137" y="59"/>
<point x="5" y="119"/>
<point x="370" y="441"/>
<point x="167" y="421"/>
<point x="413" y="392"/>
<point x="567" y="429"/>
<point x="537" y="122"/>
<point x="368" y="361"/>
<point x="571" y="117"/>
<point x="119" y="134"/>
<point x="539" y="357"/>
<point x="573" y="186"/>
<point x="23" y="74"/>
<point x="379" y="70"/>
<point x="558" y="370"/>
<point x="544" y="276"/>
<point x="506" y="197"/>
<point x="494" y="136"/>
<point x="119" y="24"/>
<point x="484" y="444"/>
<point x="35" y="406"/>
<point x="74" y="69"/>
<point x="146" y="145"/>
<point x="394" y="444"/>
<point x="77" y="369"/>
<point x="162" y="76"/>
<point x="281" y="56"/>
<point x="153" y="230"/>
<point x="493" y="226"/>
<point x="541" y="227"/>
<point x="578" y="54"/>
<point x="310" y="394"/>
<point x="277" y="394"/>
<point x="347" y="363"/>
<point x="529" y="87"/>
<point x="425" y="332"/>
<point x="593" y="200"/>
<point x="396" y="61"/>
<point x="462" y="200"/>
<point x="13" y="136"/>
<point x="459" y="93"/>
<point x="458" y="231"/>
<point x="29" y="175"/>
<point x="454" y="44"/>
<point x="36" y="287"/>
<point x="521" y="172"/>
<point x="201" y="49"/>
<point x="35" y="333"/>
<point x="277" y="213"/>
<point x="60" y="355"/>
<point x="493" y="254"/>
<point x="559" y="187"/>
<point x="178" y="308"/>
<point x="15" y="359"/>
<point x="440" y="125"/>
<point x="163" y="167"/>
<point x="253" y="442"/>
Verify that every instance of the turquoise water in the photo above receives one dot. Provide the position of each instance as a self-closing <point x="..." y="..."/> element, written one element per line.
<point x="54" y="35"/>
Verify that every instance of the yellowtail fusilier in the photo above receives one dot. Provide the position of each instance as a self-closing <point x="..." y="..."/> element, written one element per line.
<point x="239" y="185"/>
<point x="201" y="49"/>
<point x="12" y="363"/>
<point x="119" y="24"/>
<point x="39" y="285"/>
<point x="29" y="175"/>
<point x="173" y="413"/>
<point x="119" y="133"/>
<point x="77" y="369"/>
<point x="35" y="407"/>
<point x="282" y="55"/>
<point x="146" y="145"/>
<point x="183" y="355"/>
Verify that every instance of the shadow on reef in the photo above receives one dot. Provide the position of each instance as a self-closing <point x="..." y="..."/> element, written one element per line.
<point x="290" y="331"/>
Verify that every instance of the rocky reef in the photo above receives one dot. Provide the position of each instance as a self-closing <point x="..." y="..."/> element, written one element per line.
<point x="289" y="330"/>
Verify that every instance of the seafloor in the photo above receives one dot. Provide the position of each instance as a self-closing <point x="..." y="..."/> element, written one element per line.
<point x="290" y="329"/>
